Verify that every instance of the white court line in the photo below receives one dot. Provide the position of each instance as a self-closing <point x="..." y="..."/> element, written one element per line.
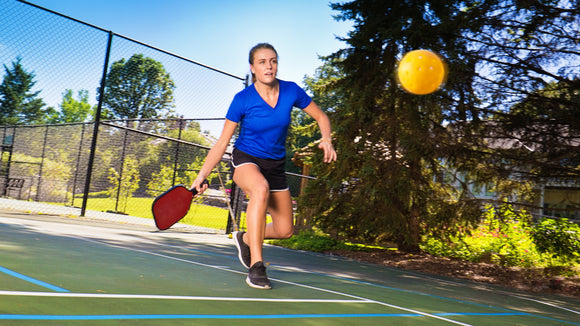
<point x="227" y="269"/>
<point x="360" y="299"/>
<point x="357" y="298"/>
<point x="546" y="303"/>
<point x="167" y="297"/>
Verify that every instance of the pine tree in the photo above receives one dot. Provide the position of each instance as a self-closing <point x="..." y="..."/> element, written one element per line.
<point x="406" y="162"/>
<point x="18" y="103"/>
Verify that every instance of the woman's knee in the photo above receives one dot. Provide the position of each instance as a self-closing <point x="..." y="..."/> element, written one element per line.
<point x="252" y="182"/>
<point x="260" y="192"/>
<point x="284" y="230"/>
<point x="289" y="232"/>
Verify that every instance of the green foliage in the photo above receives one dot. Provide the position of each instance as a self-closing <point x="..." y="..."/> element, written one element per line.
<point x="389" y="141"/>
<point x="310" y="241"/>
<point x="159" y="161"/>
<point x="73" y="110"/>
<point x="56" y="172"/>
<point x="138" y="88"/>
<point x="124" y="182"/>
<point x="391" y="144"/>
<point x="504" y="237"/>
<point x="18" y="103"/>
<point x="160" y="180"/>
<point x="317" y="242"/>
<point x="558" y="237"/>
<point x="163" y="179"/>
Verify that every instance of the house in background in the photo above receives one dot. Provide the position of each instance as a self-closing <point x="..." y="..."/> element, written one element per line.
<point x="554" y="197"/>
<point x="551" y="199"/>
<point x="559" y="199"/>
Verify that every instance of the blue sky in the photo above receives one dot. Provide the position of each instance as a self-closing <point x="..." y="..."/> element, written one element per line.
<point x="220" y="33"/>
<point x="63" y="54"/>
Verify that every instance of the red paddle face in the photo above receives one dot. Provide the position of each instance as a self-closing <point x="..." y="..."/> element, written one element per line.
<point x="171" y="206"/>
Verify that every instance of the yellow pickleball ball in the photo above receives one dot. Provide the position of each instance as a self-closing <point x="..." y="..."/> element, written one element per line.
<point x="421" y="72"/>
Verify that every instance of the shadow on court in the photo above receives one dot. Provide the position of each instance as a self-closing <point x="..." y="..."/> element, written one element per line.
<point x="56" y="270"/>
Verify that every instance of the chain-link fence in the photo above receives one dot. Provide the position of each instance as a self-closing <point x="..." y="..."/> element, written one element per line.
<point x="49" y="164"/>
<point x="120" y="167"/>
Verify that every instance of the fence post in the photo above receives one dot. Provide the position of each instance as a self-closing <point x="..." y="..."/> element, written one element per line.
<point x="74" y="186"/>
<point x="234" y="210"/>
<point x="96" y="127"/>
<point x="38" y="187"/>
<point x="176" y="160"/>
<point x="6" y="147"/>
<point x="237" y="205"/>
<point x="122" y="167"/>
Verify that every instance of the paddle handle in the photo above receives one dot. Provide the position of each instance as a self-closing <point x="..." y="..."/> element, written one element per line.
<point x="194" y="191"/>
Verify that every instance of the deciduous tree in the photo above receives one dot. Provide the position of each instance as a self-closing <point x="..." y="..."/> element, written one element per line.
<point x="73" y="110"/>
<point x="138" y="88"/>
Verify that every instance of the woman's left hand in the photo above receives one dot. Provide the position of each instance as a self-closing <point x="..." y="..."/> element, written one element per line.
<point x="329" y="152"/>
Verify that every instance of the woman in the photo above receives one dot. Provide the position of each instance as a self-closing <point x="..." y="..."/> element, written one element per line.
<point x="263" y="112"/>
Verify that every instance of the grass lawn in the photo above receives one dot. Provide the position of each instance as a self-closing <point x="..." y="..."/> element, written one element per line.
<point x="198" y="215"/>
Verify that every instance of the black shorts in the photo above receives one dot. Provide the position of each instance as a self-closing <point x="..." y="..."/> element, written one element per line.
<point x="273" y="170"/>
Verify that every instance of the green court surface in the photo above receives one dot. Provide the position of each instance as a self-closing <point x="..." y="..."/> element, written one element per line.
<point x="67" y="271"/>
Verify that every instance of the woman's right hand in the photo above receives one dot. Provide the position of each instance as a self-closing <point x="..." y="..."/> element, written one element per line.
<point x="200" y="185"/>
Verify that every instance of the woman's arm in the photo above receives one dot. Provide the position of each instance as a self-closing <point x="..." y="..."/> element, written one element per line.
<point x="215" y="155"/>
<point x="325" y="129"/>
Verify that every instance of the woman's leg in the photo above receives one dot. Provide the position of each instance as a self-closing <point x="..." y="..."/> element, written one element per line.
<point x="250" y="179"/>
<point x="280" y="208"/>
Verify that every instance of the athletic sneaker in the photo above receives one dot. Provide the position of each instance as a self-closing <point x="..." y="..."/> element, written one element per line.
<point x="243" y="249"/>
<point x="257" y="277"/>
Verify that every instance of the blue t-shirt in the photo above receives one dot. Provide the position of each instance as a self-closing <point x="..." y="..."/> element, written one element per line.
<point x="263" y="129"/>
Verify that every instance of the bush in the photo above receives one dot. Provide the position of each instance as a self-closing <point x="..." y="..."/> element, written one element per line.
<point x="505" y="237"/>
<point x="309" y="240"/>
<point x="557" y="237"/>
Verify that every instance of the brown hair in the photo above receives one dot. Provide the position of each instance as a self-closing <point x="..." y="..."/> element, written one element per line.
<point x="257" y="47"/>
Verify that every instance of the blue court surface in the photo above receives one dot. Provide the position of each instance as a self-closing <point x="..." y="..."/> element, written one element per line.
<point x="70" y="271"/>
